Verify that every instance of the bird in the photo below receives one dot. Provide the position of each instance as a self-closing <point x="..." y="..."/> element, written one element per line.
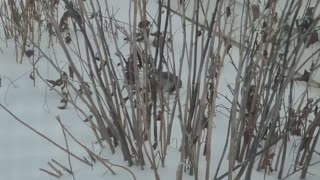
<point x="170" y="82"/>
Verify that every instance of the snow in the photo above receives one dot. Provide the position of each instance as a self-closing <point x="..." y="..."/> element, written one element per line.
<point x="22" y="152"/>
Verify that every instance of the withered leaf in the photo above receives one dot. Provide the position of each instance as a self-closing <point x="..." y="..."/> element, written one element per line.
<point x="305" y="77"/>
<point x="88" y="118"/>
<point x="91" y="157"/>
<point x="154" y="146"/>
<point x="199" y="33"/>
<point x="31" y="76"/>
<point x="51" y="81"/>
<point x="64" y="102"/>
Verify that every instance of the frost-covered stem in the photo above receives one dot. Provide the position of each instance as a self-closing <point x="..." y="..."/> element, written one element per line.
<point x="310" y="153"/>
<point x="88" y="150"/>
<point x="179" y="172"/>
<point x="233" y="114"/>
<point x="67" y="145"/>
<point x="44" y="136"/>
<point x="93" y="106"/>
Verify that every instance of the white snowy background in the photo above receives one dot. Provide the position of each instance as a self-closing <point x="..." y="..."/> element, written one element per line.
<point x="22" y="152"/>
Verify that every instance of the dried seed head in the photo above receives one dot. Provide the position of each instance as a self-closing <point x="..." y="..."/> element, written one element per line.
<point x="29" y="53"/>
<point x="228" y="11"/>
<point x="67" y="39"/>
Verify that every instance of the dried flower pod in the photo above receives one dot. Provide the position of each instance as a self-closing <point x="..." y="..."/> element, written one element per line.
<point x="228" y="11"/>
<point x="29" y="53"/>
<point x="68" y="39"/>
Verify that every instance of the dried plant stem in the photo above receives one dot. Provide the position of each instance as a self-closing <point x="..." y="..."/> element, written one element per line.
<point x="45" y="137"/>
<point x="50" y="173"/>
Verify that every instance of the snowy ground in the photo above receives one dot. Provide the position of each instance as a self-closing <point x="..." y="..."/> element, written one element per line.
<point x="23" y="152"/>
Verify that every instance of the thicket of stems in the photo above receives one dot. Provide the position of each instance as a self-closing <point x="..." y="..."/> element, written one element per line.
<point x="129" y="109"/>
